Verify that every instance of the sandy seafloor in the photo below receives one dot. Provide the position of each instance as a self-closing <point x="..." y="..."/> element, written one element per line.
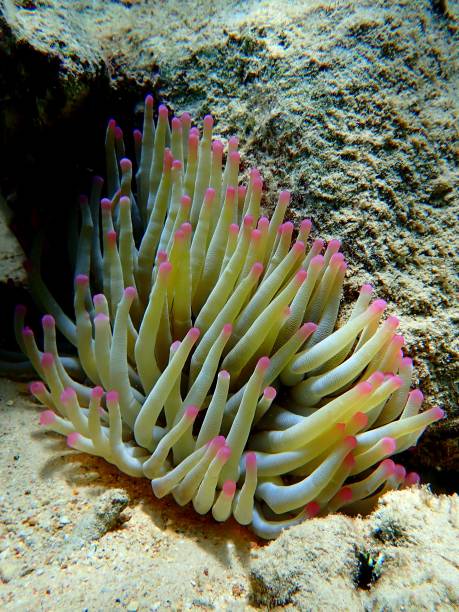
<point x="352" y="105"/>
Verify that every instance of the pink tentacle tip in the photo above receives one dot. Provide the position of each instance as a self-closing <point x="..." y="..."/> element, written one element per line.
<point x="376" y="378"/>
<point x="230" y="193"/>
<point x="284" y="197"/>
<point x="209" y="194"/>
<point x="438" y="413"/>
<point x="176" y="124"/>
<point x="106" y="204"/>
<point x="130" y="293"/>
<point x="412" y="479"/>
<point x="396" y="381"/>
<point x="161" y="256"/>
<point x="191" y="412"/>
<point x="298" y="248"/>
<point x="251" y="461"/>
<point x="118" y="133"/>
<point x="392" y="322"/>
<point x="388" y="467"/>
<point x="407" y="362"/>
<point x="175" y="345"/>
<point x="47" y="417"/>
<point x="350" y="442"/>
<point x="217" y="443"/>
<point x="312" y="509"/>
<point x="177" y="164"/>
<point x="111" y="237"/>
<point x="389" y="445"/>
<point x="306" y="225"/>
<point x="185" y="118"/>
<point x="20" y="310"/>
<point x="317" y="245"/>
<point x="72" y="439"/>
<point x="37" y="388"/>
<point x="68" y="395"/>
<point x="137" y="135"/>
<point x="360" y="419"/>
<point x="99" y="299"/>
<point x="301" y="276"/>
<point x="48" y="321"/>
<point x="224" y="454"/>
<point x="235" y="158"/>
<point x="257" y="269"/>
<point x="112" y="397"/>
<point x="47" y="360"/>
<point x="125" y="164"/>
<point x="234" y="229"/>
<point x="229" y="488"/>
<point x="263" y="223"/>
<point x="398" y="340"/>
<point x="97" y="392"/>
<point x="270" y="393"/>
<point x="318" y="261"/>
<point x="186" y="228"/>
<point x="263" y="363"/>
<point x="149" y="101"/>
<point x="334" y="245"/>
<point x="208" y="122"/>
<point x="125" y="202"/>
<point x="163" y="112"/>
<point x="233" y="142"/>
<point x="82" y="280"/>
<point x="193" y="141"/>
<point x="366" y="289"/>
<point x="400" y="472"/>
<point x="165" y="268"/>
<point x="416" y="396"/>
<point x="364" y="388"/>
<point x="378" y="306"/>
<point x="241" y="191"/>
<point x="101" y="319"/>
<point x="194" y="333"/>
<point x="27" y="332"/>
<point x="349" y="461"/>
<point x="336" y="259"/>
<point x="307" y="329"/>
<point x="224" y="374"/>
<point x="227" y="329"/>
<point x="345" y="495"/>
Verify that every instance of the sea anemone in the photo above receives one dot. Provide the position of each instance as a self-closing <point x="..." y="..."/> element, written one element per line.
<point x="209" y="354"/>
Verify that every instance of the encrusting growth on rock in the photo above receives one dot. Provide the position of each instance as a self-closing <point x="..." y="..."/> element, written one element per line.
<point x="208" y="355"/>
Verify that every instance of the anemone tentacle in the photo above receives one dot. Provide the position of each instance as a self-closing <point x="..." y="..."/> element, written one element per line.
<point x="197" y="317"/>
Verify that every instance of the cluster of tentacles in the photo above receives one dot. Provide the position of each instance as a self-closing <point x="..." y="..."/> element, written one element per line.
<point x="208" y="359"/>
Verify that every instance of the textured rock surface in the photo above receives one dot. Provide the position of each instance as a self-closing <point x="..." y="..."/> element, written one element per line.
<point x="403" y="557"/>
<point x="11" y="254"/>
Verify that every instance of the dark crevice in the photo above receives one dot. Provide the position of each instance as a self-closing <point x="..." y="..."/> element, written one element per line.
<point x="369" y="569"/>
